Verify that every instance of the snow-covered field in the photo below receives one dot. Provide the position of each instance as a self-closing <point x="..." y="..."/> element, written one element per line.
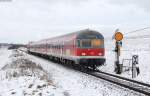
<point x="20" y="76"/>
<point x="140" y="47"/>
<point x="45" y="78"/>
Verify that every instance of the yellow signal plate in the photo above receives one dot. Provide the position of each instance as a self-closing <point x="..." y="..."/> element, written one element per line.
<point x="118" y="36"/>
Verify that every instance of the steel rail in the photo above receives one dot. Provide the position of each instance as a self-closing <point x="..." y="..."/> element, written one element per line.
<point x="136" y="86"/>
<point x="124" y="78"/>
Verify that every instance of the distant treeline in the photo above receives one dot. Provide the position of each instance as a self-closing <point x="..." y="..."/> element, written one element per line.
<point x="12" y="46"/>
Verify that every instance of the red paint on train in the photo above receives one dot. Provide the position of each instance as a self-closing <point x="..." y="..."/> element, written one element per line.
<point x="82" y="48"/>
<point x="90" y="52"/>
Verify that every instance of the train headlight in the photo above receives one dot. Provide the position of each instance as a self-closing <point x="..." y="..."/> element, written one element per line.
<point x="83" y="54"/>
<point x="99" y="54"/>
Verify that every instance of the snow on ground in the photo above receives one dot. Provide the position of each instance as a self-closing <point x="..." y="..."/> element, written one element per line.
<point x="22" y="77"/>
<point x="79" y="84"/>
<point x="140" y="47"/>
<point x="28" y="75"/>
<point x="4" y="54"/>
<point x="26" y="86"/>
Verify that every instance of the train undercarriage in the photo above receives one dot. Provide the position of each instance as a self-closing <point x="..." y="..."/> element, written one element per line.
<point x="83" y="64"/>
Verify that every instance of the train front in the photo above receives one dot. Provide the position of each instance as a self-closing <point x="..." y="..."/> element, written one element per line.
<point x="90" y="49"/>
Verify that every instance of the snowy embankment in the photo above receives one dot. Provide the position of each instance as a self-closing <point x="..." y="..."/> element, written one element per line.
<point x="20" y="76"/>
<point x="27" y="75"/>
<point x="4" y="56"/>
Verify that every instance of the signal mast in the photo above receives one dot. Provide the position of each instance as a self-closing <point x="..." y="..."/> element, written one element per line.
<point x="118" y="44"/>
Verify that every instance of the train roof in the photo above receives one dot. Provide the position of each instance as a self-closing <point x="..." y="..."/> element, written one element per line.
<point x="81" y="33"/>
<point x="87" y="33"/>
<point x="78" y="35"/>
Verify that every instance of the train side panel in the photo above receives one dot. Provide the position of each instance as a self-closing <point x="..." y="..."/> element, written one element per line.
<point x="66" y="48"/>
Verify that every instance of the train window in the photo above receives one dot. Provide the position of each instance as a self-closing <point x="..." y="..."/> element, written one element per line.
<point x="89" y="43"/>
<point x="96" y="43"/>
<point x="86" y="43"/>
<point x="48" y="46"/>
<point x="78" y="43"/>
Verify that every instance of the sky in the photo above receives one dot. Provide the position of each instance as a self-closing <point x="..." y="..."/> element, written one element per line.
<point x="22" y="21"/>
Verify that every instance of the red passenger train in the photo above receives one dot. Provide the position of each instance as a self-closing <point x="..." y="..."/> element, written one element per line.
<point x="83" y="48"/>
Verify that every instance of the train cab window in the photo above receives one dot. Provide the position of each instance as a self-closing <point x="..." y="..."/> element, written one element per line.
<point x="96" y="43"/>
<point x="78" y="43"/>
<point x="89" y="43"/>
<point x="86" y="43"/>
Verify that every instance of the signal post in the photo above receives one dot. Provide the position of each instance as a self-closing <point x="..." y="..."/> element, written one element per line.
<point x="118" y="45"/>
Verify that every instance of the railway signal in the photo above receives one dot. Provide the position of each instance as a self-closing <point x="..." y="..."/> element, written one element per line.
<point x="118" y="37"/>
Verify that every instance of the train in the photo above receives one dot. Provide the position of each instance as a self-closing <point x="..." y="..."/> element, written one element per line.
<point x="84" y="48"/>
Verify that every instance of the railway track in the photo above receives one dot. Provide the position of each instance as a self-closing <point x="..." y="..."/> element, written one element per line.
<point x="136" y="86"/>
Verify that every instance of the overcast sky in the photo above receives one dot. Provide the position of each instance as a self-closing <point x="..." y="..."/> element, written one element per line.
<point x="22" y="21"/>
